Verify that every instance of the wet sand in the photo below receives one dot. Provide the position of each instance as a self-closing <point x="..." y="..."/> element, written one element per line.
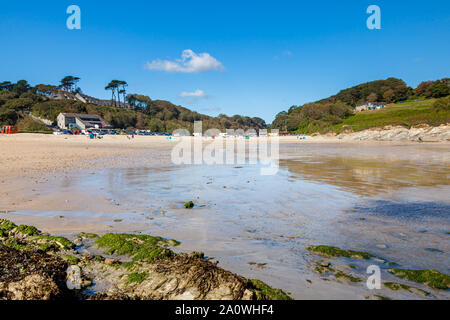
<point x="320" y="194"/>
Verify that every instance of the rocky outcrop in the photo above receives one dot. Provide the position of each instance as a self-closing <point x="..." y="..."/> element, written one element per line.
<point x="36" y="266"/>
<point x="31" y="275"/>
<point x="178" y="278"/>
<point x="33" y="287"/>
<point x="421" y="133"/>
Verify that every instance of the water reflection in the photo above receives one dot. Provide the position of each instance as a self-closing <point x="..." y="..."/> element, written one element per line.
<point x="367" y="177"/>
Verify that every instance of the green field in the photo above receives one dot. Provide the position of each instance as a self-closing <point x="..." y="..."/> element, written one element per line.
<point x="406" y="114"/>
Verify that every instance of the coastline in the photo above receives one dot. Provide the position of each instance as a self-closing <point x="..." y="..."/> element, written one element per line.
<point x="30" y="163"/>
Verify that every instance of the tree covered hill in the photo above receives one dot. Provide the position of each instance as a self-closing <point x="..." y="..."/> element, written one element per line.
<point x="327" y="114"/>
<point x="18" y="100"/>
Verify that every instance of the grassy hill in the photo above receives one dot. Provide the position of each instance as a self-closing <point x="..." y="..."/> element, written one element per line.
<point x="403" y="114"/>
<point x="336" y="113"/>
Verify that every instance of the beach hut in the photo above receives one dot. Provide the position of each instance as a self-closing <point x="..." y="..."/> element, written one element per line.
<point x="9" y="130"/>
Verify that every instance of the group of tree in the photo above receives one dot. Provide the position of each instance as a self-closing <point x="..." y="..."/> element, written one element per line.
<point x="312" y="115"/>
<point x="139" y="102"/>
<point x="19" y="99"/>
<point x="69" y="83"/>
<point x="389" y="90"/>
<point x="117" y="88"/>
<point x="433" y="89"/>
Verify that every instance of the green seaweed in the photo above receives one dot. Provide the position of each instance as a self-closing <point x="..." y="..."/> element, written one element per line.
<point x="137" y="277"/>
<point x="265" y="292"/>
<point x="7" y="225"/>
<point x="432" y="278"/>
<point x="16" y="245"/>
<point x="328" y="251"/>
<point x="44" y="247"/>
<point x="341" y="275"/>
<point x="322" y="269"/>
<point x="138" y="247"/>
<point x="58" y="242"/>
<point x="71" y="259"/>
<point x="189" y="205"/>
<point x="395" y="286"/>
<point x="196" y="254"/>
<point x="28" y="230"/>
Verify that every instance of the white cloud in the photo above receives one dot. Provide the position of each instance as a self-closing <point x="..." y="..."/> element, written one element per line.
<point x="190" y="62"/>
<point x="196" y="94"/>
<point x="285" y="53"/>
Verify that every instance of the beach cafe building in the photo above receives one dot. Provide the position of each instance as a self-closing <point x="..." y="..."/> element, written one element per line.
<point x="81" y="121"/>
<point x="369" y="106"/>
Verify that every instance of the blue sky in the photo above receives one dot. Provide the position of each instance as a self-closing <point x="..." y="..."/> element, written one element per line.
<point x="253" y="58"/>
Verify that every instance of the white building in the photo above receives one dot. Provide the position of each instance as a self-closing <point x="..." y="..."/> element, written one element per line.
<point x="369" y="106"/>
<point x="82" y="121"/>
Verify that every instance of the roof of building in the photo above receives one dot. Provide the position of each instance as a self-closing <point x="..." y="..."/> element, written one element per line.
<point x="79" y="115"/>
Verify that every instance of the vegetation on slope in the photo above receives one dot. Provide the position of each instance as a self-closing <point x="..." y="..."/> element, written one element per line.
<point x="19" y="99"/>
<point x="406" y="114"/>
<point x="335" y="114"/>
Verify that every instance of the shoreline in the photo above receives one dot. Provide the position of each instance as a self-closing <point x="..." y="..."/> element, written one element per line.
<point x="34" y="165"/>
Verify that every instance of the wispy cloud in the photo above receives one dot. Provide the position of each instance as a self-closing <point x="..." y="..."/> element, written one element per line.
<point x="190" y="62"/>
<point x="285" y="53"/>
<point x="195" y="94"/>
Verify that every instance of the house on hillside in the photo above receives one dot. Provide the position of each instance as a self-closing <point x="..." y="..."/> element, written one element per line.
<point x="59" y="94"/>
<point x="91" y="100"/>
<point x="81" y="121"/>
<point x="369" y="106"/>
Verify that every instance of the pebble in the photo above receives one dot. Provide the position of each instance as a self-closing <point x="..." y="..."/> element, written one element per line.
<point x="325" y="263"/>
<point x="111" y="261"/>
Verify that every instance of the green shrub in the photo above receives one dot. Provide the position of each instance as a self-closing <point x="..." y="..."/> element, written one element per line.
<point x="442" y="104"/>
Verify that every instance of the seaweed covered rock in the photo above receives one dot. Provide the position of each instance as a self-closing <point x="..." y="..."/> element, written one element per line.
<point x="156" y="272"/>
<point x="32" y="287"/>
<point x="189" y="205"/>
<point x="34" y="266"/>
<point x="26" y="237"/>
<point x="176" y="278"/>
<point x="432" y="278"/>
<point x="265" y="292"/>
<point x="333" y="252"/>
<point x="31" y="275"/>
<point x="138" y="247"/>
